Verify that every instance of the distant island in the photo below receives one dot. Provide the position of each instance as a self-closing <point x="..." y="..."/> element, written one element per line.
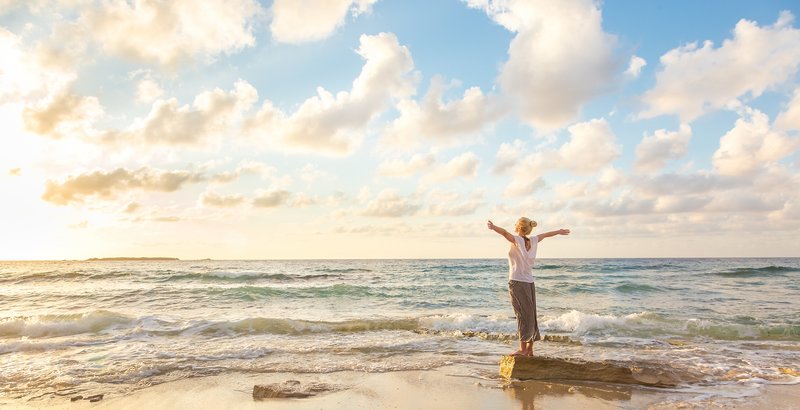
<point x="118" y="259"/>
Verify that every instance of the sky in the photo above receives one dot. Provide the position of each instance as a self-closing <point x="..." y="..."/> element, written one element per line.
<point x="305" y="129"/>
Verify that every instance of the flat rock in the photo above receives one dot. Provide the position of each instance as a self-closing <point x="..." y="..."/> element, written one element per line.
<point x="291" y="389"/>
<point x="551" y="368"/>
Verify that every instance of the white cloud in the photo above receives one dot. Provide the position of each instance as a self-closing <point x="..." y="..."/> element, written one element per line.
<point x="301" y="200"/>
<point x="171" y="32"/>
<point x="147" y="90"/>
<point x="635" y="66"/>
<point x="244" y="168"/>
<point x="523" y="184"/>
<point x="698" y="183"/>
<point x="463" y="166"/>
<point x="311" y="173"/>
<point x="441" y="123"/>
<point x="63" y="115"/>
<point x="449" y="204"/>
<point x="559" y="59"/>
<point x="212" y="113"/>
<point x="656" y="149"/>
<point x="571" y="190"/>
<point x="271" y="199"/>
<point x="107" y="184"/>
<point x="507" y="156"/>
<point x="388" y="204"/>
<point x="296" y="21"/>
<point x="695" y="80"/>
<point x="751" y="145"/>
<point x="213" y="199"/>
<point x="334" y="124"/>
<point x="29" y="74"/>
<point x="591" y="147"/>
<point x="397" y="168"/>
<point x="790" y="118"/>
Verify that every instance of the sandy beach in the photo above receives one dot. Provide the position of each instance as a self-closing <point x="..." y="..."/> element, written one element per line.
<point x="449" y="387"/>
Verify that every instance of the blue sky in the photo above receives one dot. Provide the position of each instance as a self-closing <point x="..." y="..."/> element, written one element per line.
<point x="378" y="128"/>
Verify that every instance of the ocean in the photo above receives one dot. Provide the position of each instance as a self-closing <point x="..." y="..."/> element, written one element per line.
<point x="68" y="327"/>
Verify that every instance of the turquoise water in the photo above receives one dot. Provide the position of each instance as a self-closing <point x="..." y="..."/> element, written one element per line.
<point x="117" y="326"/>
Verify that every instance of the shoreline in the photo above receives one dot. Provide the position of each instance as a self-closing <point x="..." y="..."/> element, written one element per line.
<point x="448" y="387"/>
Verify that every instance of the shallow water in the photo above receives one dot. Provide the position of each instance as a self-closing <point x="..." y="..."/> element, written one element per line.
<point x="728" y="324"/>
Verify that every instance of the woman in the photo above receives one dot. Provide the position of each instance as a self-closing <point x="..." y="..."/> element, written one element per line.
<point x="520" y="279"/>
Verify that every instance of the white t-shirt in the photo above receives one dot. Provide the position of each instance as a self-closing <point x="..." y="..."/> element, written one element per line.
<point x="520" y="260"/>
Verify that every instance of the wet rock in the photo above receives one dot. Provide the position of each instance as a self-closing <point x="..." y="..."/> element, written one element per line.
<point x="549" y="368"/>
<point x="95" y="398"/>
<point x="291" y="389"/>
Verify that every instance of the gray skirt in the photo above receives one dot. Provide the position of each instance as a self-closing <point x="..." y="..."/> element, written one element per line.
<point x="523" y="299"/>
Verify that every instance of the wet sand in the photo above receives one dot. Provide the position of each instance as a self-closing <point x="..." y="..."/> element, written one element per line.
<point x="450" y="387"/>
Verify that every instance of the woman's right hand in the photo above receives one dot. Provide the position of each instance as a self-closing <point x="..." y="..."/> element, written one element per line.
<point x="490" y="225"/>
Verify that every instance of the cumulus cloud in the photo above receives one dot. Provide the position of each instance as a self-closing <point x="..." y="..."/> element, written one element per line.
<point x="695" y="80"/>
<point x="438" y="122"/>
<point x="244" y="168"/>
<point x="397" y="168"/>
<point x="790" y="118"/>
<point x="696" y="183"/>
<point x="213" y="199"/>
<point x="507" y="156"/>
<point x="148" y="90"/>
<point x="131" y="207"/>
<point x="169" y="123"/>
<point x="170" y="32"/>
<point x="388" y="204"/>
<point x="463" y="166"/>
<point x="311" y="173"/>
<point x="523" y="184"/>
<point x="450" y="204"/>
<point x="107" y="184"/>
<point x="751" y="145"/>
<point x="30" y="73"/>
<point x="559" y="59"/>
<point x="63" y="115"/>
<point x="592" y="146"/>
<point x="656" y="149"/>
<point x="301" y="200"/>
<point x="271" y="199"/>
<point x="635" y="66"/>
<point x="334" y="124"/>
<point x="308" y="20"/>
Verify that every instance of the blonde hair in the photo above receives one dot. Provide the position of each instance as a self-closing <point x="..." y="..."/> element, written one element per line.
<point x="524" y="226"/>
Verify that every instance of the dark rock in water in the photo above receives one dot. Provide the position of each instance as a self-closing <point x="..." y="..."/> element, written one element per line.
<point x="76" y="398"/>
<point x="95" y="398"/>
<point x="550" y="368"/>
<point x="291" y="389"/>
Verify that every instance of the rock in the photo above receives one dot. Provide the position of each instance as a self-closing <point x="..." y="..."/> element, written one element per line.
<point x="95" y="398"/>
<point x="291" y="389"/>
<point x="549" y="368"/>
<point x="76" y="398"/>
<point x="789" y="371"/>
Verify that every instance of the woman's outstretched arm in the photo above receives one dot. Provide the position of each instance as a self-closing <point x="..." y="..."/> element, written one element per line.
<point x="501" y="231"/>
<point x="551" y="233"/>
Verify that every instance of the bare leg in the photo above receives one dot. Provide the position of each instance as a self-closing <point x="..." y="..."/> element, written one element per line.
<point x="529" y="349"/>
